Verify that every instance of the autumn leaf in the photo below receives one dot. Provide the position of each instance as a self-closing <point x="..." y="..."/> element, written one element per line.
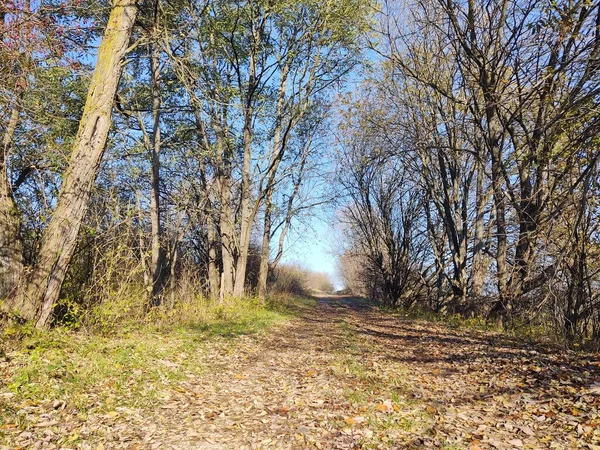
<point x="355" y="420"/>
<point x="430" y="409"/>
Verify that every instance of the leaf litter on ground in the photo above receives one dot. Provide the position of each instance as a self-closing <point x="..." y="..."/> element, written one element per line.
<point x="342" y="375"/>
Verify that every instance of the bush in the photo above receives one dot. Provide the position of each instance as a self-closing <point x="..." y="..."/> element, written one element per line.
<point x="293" y="279"/>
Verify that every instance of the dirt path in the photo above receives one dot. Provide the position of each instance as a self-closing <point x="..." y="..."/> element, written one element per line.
<point x="345" y="376"/>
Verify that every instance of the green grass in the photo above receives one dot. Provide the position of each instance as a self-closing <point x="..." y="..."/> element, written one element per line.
<point x="98" y="370"/>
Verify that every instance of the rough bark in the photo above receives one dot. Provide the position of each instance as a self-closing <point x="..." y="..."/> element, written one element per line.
<point x="501" y="231"/>
<point x="247" y="219"/>
<point x="478" y="268"/>
<point x="141" y="244"/>
<point x="11" y="245"/>
<point x="213" y="261"/>
<point x="248" y="213"/>
<point x="226" y="221"/>
<point x="60" y="238"/>
<point x="227" y="255"/>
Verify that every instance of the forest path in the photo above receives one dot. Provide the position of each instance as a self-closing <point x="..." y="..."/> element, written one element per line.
<point x="338" y="374"/>
<point x="345" y="375"/>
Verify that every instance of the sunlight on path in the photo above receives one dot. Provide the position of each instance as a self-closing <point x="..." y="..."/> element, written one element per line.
<point x="347" y="376"/>
<point x="344" y="375"/>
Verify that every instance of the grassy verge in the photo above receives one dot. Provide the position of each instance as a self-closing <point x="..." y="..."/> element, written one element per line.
<point x="101" y="371"/>
<point x="533" y="333"/>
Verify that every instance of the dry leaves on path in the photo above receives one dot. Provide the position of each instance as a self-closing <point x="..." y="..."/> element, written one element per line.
<point x="345" y="376"/>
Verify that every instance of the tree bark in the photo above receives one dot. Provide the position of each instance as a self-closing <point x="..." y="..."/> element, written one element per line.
<point x="248" y="213"/>
<point x="479" y="269"/>
<point x="60" y="238"/>
<point x="501" y="231"/>
<point x="278" y="150"/>
<point x="157" y="267"/>
<point x="263" y="273"/>
<point x="213" y="261"/>
<point x="226" y="226"/>
<point x="247" y="219"/>
<point x="227" y="255"/>
<point x="11" y="245"/>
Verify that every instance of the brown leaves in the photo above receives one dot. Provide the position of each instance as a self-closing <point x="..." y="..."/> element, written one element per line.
<point x="430" y="409"/>
<point x="387" y="383"/>
<point x="386" y="406"/>
<point x="311" y="373"/>
<point x="48" y="423"/>
<point x="354" y="420"/>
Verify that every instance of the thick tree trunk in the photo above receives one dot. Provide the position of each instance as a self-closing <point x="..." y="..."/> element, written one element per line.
<point x="501" y="236"/>
<point x="247" y="212"/>
<point x="247" y="219"/>
<point x="227" y="239"/>
<point x="11" y="245"/>
<point x="213" y="267"/>
<point x="226" y="282"/>
<point x="528" y="223"/>
<point x="60" y="237"/>
<point x="226" y="226"/>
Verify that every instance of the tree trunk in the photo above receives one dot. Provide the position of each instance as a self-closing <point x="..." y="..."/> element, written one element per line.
<point x="290" y="206"/>
<point x="247" y="219"/>
<point x="248" y="214"/>
<point x="213" y="269"/>
<point x="60" y="237"/>
<point x="11" y="245"/>
<point x="157" y="268"/>
<point x="147" y="286"/>
<point x="501" y="236"/>
<point x="227" y="238"/>
<point x="263" y="273"/>
<point x="479" y="268"/>
<point x="279" y="146"/>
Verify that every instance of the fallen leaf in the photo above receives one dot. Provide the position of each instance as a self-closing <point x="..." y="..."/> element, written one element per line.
<point x="355" y="420"/>
<point x="48" y="423"/>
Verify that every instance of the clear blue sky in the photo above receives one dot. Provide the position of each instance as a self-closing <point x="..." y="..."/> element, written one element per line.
<point x="312" y="246"/>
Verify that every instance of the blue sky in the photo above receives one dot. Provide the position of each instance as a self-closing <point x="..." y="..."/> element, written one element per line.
<point x="312" y="246"/>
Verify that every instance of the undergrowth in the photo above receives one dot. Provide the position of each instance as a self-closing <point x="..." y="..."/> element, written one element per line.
<point x="517" y="329"/>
